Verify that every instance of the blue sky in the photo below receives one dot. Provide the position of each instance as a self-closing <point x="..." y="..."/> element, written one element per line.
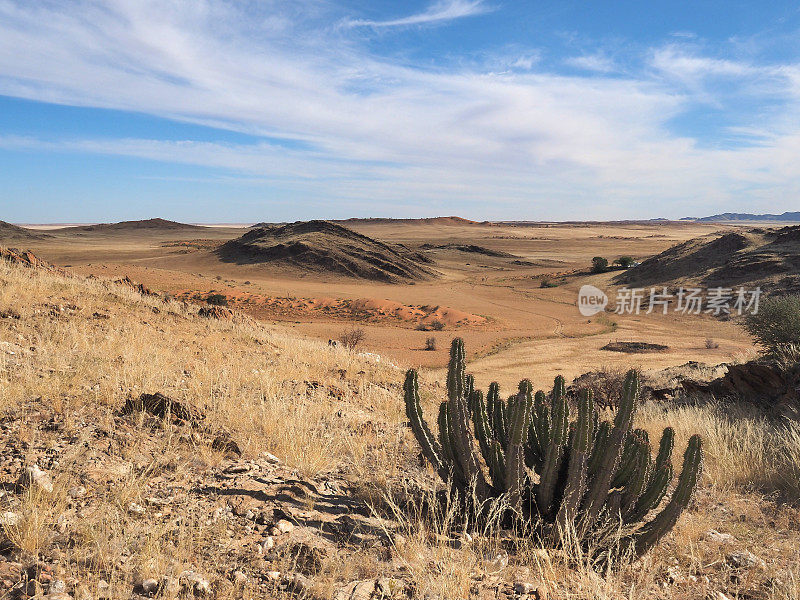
<point x="239" y="111"/>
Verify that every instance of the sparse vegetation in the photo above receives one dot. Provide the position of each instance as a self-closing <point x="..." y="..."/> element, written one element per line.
<point x="599" y="264"/>
<point x="217" y="299"/>
<point x="711" y="344"/>
<point x="625" y="262"/>
<point x="352" y="337"/>
<point x="546" y="282"/>
<point x="430" y="343"/>
<point x="437" y="325"/>
<point x="776" y="325"/>
<point x="578" y="462"/>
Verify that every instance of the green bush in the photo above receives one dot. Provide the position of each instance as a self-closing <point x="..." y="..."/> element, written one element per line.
<point x="599" y="264"/>
<point x="217" y="299"/>
<point x="625" y="261"/>
<point x="776" y="325"/>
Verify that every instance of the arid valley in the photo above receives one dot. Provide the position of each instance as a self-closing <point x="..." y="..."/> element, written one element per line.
<point x="485" y="285"/>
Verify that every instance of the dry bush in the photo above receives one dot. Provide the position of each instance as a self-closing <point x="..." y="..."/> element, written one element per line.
<point x="605" y="384"/>
<point x="351" y="338"/>
<point x="712" y="344"/>
<point x="430" y="343"/>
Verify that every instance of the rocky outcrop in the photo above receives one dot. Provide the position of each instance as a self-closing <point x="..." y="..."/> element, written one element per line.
<point x="767" y="383"/>
<point x="26" y="258"/>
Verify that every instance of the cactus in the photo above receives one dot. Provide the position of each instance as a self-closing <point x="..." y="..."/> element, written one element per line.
<point x="591" y="474"/>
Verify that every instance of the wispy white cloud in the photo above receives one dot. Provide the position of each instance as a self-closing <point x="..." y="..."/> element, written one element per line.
<point x="355" y="127"/>
<point x="599" y="63"/>
<point x="438" y="12"/>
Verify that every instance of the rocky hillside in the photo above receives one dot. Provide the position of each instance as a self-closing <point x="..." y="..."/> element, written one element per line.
<point x="13" y="234"/>
<point x="753" y="257"/>
<point x="321" y="246"/>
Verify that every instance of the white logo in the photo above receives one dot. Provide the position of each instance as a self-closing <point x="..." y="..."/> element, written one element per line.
<point x="591" y="300"/>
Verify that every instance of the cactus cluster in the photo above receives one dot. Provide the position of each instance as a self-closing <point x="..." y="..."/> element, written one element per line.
<point x="578" y="475"/>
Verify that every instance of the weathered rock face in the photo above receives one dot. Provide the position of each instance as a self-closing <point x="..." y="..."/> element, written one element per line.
<point x="767" y="383"/>
<point x="26" y="258"/>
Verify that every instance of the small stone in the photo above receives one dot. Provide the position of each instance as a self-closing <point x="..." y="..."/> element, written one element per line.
<point x="34" y="477"/>
<point x="300" y="583"/>
<point x="77" y="491"/>
<point x="170" y="585"/>
<point x="268" y="543"/>
<point x="136" y="509"/>
<point x="199" y="585"/>
<point x="103" y="589"/>
<point x="150" y="586"/>
<point x="496" y="563"/>
<point x="524" y="588"/>
<point x="745" y="560"/>
<point x="59" y="596"/>
<point x="284" y="526"/>
<point x="239" y="579"/>
<point x="271" y="458"/>
<point x="713" y="535"/>
<point x="273" y="575"/>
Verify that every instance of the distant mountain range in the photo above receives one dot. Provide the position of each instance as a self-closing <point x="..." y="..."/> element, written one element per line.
<point x="793" y="217"/>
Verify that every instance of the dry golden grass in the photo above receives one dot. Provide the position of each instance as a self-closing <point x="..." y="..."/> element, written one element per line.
<point x="321" y="409"/>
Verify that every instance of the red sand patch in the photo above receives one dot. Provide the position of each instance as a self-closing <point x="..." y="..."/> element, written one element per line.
<point x="360" y="309"/>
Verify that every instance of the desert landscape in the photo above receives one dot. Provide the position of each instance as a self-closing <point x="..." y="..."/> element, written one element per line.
<point x="423" y="300"/>
<point x="187" y="412"/>
<point x="480" y="281"/>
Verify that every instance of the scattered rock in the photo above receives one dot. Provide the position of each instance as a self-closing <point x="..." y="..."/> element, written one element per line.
<point x="34" y="477"/>
<point x="284" y="526"/>
<point x="195" y="583"/>
<point x="271" y="458"/>
<point x="713" y="535"/>
<point x="268" y="543"/>
<point x="745" y="560"/>
<point x="136" y="509"/>
<point x="239" y="579"/>
<point x="77" y="491"/>
<point x="160" y="406"/>
<point x="150" y="586"/>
